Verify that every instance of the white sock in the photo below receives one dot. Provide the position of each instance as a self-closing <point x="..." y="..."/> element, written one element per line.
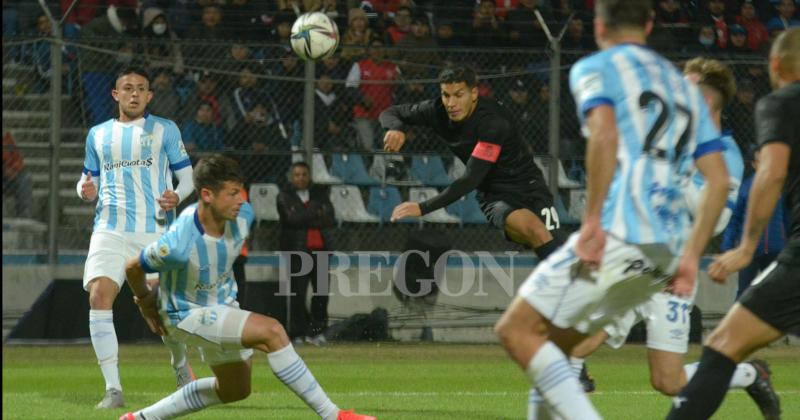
<point x="291" y="370"/>
<point x="552" y="376"/>
<point x="537" y="407"/>
<point x="177" y="350"/>
<point x="195" y="396"/>
<point x="743" y="376"/>
<point x="577" y="365"/>
<point x="106" y="348"/>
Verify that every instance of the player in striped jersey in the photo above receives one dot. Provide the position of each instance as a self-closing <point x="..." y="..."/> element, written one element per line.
<point x="643" y="121"/>
<point x="666" y="315"/>
<point x="197" y="302"/>
<point x="128" y="169"/>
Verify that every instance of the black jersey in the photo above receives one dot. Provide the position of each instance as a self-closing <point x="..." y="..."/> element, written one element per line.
<point x="778" y="120"/>
<point x="490" y="134"/>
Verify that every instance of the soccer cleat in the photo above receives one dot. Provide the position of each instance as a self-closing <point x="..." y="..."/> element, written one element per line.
<point x="586" y="380"/>
<point x="350" y="415"/>
<point x="112" y="399"/>
<point x="762" y="393"/>
<point x="317" y="340"/>
<point x="127" y="416"/>
<point x="184" y="375"/>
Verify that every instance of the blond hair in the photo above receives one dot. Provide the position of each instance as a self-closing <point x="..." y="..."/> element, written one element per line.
<point x="714" y="75"/>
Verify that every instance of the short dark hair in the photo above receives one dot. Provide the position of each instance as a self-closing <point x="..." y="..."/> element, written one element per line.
<point x="458" y="74"/>
<point x="617" y="14"/>
<point x="715" y="75"/>
<point x="133" y="70"/>
<point x="299" y="163"/>
<point x="212" y="171"/>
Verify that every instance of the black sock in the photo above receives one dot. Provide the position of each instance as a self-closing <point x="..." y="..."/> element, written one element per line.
<point x="543" y="251"/>
<point x="703" y="395"/>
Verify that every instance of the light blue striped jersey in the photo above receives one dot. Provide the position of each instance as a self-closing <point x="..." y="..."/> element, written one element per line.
<point x="735" y="164"/>
<point x="133" y="163"/>
<point x="662" y="121"/>
<point x="196" y="270"/>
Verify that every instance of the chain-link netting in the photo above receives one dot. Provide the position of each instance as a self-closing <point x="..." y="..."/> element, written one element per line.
<point x="247" y="99"/>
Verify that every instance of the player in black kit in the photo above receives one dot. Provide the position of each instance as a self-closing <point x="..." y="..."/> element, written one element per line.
<point x="482" y="133"/>
<point x="771" y="307"/>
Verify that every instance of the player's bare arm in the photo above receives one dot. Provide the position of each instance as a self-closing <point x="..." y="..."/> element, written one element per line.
<point x="144" y="297"/>
<point x="601" y="162"/>
<point x="766" y="190"/>
<point x="712" y="166"/>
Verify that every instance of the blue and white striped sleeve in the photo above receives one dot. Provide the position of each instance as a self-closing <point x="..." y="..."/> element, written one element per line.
<point x="173" y="144"/>
<point x="91" y="162"/>
<point x="169" y="252"/>
<point x="589" y="85"/>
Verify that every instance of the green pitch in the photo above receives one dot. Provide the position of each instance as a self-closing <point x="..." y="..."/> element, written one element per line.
<point x="390" y="381"/>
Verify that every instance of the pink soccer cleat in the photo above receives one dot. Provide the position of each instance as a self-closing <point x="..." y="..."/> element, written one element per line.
<point x="127" y="416"/>
<point x="349" y="415"/>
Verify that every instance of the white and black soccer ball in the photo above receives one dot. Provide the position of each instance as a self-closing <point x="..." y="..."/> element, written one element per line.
<point x="314" y="36"/>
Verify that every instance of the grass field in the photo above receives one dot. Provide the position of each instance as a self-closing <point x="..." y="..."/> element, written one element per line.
<point x="390" y="381"/>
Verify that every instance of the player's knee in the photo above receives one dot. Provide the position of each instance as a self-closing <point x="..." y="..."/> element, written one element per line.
<point x="101" y="295"/>
<point x="666" y="384"/>
<point x="275" y="331"/>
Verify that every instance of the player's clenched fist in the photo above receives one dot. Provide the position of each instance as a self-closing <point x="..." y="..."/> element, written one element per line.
<point x="393" y="140"/>
<point x="169" y="200"/>
<point x="88" y="189"/>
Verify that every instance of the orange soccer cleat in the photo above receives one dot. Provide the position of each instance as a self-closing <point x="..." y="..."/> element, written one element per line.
<point x="350" y="415"/>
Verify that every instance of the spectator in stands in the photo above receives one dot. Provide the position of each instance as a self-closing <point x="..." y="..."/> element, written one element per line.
<point x="331" y="117"/>
<point x="291" y="104"/>
<point x="670" y="12"/>
<point x="740" y="115"/>
<point x="166" y="102"/>
<point x="160" y="43"/>
<point x="521" y="105"/>
<point x="371" y="99"/>
<point x="541" y="113"/>
<point x="306" y="214"/>
<point x="357" y="36"/>
<point x="38" y="54"/>
<point x="576" y="37"/>
<point x="244" y="20"/>
<point x="486" y="31"/>
<point x="715" y="16"/>
<point x="524" y="28"/>
<point x="240" y="55"/>
<point x="706" y="42"/>
<point x="772" y="241"/>
<point x="417" y="51"/>
<point x="401" y="26"/>
<point x="112" y="34"/>
<point x="757" y="35"/>
<point x="282" y="26"/>
<point x="201" y="134"/>
<point x="334" y="66"/>
<point x="785" y="18"/>
<point x="446" y="35"/>
<point x="253" y="138"/>
<point x="205" y="37"/>
<point x="17" y="180"/>
<point x="207" y="91"/>
<point x="248" y="91"/>
<point x="738" y="42"/>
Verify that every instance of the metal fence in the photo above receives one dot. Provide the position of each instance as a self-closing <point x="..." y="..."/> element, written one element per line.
<point x="248" y="100"/>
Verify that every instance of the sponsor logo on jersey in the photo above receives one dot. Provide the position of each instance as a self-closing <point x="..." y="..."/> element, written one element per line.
<point x="110" y="166"/>
<point x="208" y="317"/>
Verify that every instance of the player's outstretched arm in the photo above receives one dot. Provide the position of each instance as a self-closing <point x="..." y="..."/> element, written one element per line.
<point x="715" y="172"/>
<point x="476" y="171"/>
<point x="397" y="118"/>
<point x="143" y="296"/>
<point x="767" y="186"/>
<point x="601" y="162"/>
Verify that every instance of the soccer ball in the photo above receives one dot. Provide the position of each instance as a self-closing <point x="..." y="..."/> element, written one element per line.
<point x="314" y="36"/>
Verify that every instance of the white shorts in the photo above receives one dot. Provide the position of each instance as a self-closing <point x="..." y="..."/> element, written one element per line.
<point x="668" y="323"/>
<point x="563" y="290"/>
<point x="109" y="251"/>
<point x="216" y="332"/>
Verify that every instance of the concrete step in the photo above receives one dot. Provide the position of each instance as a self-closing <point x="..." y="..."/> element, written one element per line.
<point x="41" y="135"/>
<point x="43" y="163"/>
<point x="62" y="193"/>
<point x="26" y="119"/>
<point x="33" y="102"/>
<point x="10" y="320"/>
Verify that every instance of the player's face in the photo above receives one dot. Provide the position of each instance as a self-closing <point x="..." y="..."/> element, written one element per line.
<point x="226" y="203"/>
<point x="132" y="92"/>
<point x="459" y="100"/>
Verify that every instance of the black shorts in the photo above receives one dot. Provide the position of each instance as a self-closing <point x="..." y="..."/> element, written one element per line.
<point x="497" y="207"/>
<point x="775" y="297"/>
